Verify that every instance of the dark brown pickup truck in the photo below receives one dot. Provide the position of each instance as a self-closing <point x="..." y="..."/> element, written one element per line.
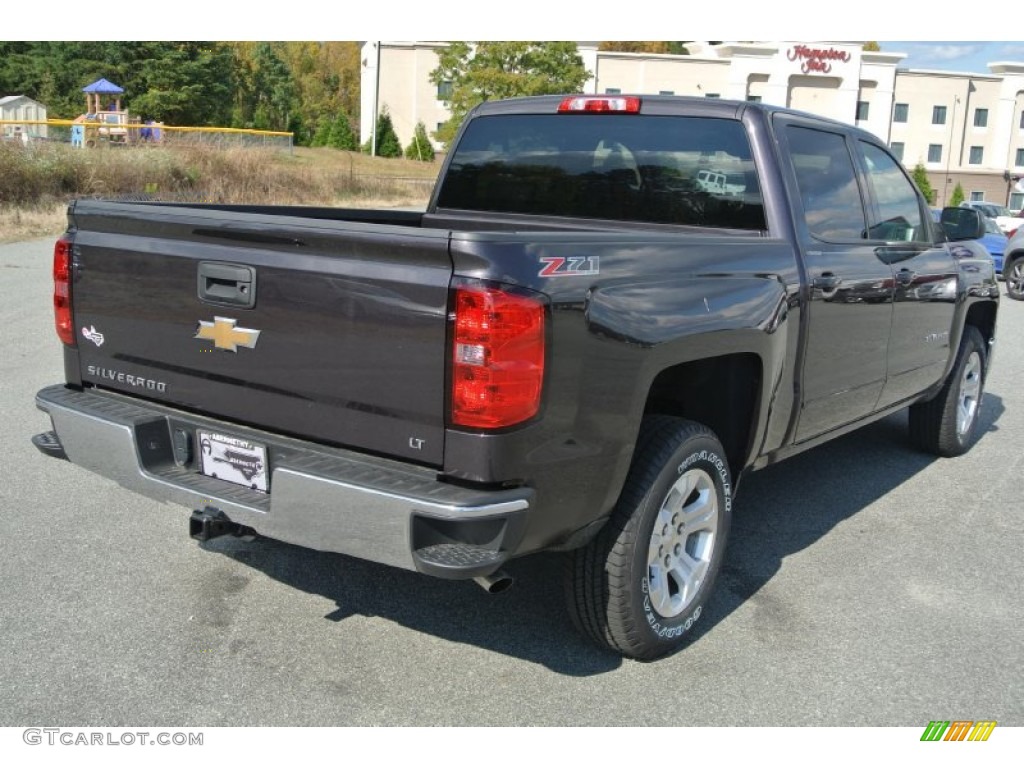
<point x="582" y="345"/>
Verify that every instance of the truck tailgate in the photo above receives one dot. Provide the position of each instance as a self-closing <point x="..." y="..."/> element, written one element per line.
<point x="332" y="330"/>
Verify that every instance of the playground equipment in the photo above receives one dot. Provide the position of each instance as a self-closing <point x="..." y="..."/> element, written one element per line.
<point x="101" y="123"/>
<point x="105" y="122"/>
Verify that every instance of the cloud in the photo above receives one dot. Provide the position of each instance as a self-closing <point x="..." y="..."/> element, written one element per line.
<point x="951" y="52"/>
<point x="1011" y="51"/>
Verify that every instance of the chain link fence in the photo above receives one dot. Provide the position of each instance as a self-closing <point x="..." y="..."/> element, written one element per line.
<point x="119" y="132"/>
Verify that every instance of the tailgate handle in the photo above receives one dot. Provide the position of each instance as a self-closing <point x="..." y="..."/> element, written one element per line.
<point x="232" y="285"/>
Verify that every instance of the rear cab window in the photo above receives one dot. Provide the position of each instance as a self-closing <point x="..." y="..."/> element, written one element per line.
<point x="658" y="169"/>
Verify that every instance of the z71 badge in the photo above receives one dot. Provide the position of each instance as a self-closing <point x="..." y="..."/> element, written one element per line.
<point x="569" y="266"/>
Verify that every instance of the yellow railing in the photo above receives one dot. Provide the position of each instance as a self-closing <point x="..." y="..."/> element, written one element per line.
<point x="60" y="130"/>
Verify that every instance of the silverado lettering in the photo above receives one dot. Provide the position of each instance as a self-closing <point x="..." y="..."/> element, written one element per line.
<point x="125" y="378"/>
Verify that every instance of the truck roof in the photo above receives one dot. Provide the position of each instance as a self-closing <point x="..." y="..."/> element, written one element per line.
<point x="651" y="104"/>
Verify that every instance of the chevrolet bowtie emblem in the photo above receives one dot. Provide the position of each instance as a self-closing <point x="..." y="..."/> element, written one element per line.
<point x="224" y="335"/>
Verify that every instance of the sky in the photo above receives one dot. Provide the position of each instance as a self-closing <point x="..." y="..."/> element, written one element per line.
<point x="785" y="20"/>
<point x="954" y="56"/>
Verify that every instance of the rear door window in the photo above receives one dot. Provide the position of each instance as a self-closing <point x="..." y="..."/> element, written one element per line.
<point x="827" y="182"/>
<point x="643" y="168"/>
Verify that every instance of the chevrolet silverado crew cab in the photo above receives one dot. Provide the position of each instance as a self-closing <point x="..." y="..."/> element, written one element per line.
<point x="578" y="346"/>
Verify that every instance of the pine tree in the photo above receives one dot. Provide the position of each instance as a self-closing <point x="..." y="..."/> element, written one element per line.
<point x="958" y="195"/>
<point x="388" y="144"/>
<point x="920" y="176"/>
<point x="420" y="147"/>
<point x="341" y="135"/>
<point x="323" y="133"/>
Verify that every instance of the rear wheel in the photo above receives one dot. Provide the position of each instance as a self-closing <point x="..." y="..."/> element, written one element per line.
<point x="641" y="585"/>
<point x="946" y="424"/>
<point x="1014" y="274"/>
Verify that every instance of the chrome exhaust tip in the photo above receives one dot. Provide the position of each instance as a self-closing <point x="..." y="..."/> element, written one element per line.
<point x="497" y="582"/>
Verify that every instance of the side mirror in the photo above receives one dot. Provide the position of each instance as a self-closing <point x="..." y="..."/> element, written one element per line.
<point x="962" y="223"/>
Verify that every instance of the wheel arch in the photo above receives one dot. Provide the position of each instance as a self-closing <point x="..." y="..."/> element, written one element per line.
<point x="722" y="393"/>
<point x="982" y="315"/>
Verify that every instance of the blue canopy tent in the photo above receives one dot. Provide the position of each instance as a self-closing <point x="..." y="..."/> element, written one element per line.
<point x="95" y="91"/>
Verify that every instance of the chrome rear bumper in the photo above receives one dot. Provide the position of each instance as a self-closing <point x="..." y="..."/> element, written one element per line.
<point x="323" y="498"/>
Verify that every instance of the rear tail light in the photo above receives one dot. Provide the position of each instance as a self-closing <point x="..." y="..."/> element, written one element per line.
<point x="62" y="290"/>
<point x="626" y="104"/>
<point x="497" y="357"/>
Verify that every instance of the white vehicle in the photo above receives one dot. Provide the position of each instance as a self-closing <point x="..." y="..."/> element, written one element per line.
<point x="1008" y="222"/>
<point x="717" y="183"/>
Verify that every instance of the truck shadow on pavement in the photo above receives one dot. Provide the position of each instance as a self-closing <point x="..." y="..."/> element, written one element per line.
<point x="779" y="511"/>
<point x="788" y="507"/>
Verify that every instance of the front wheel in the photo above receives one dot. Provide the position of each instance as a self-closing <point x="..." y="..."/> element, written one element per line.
<point x="946" y="424"/>
<point x="641" y="584"/>
<point x="1014" y="275"/>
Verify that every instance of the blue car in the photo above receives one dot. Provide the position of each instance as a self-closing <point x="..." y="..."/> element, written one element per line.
<point x="994" y="240"/>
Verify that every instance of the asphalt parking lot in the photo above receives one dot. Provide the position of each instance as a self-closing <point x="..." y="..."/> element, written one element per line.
<point x="865" y="584"/>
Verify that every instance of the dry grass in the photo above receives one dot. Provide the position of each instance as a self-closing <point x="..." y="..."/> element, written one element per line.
<point x="37" y="182"/>
<point x="17" y="223"/>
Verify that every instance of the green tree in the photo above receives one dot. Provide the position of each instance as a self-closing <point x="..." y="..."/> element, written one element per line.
<point x="180" y="82"/>
<point x="958" y="195"/>
<point x="420" y="147"/>
<point x="273" y="90"/>
<point x="920" y="176"/>
<point x="871" y="45"/>
<point x="323" y="132"/>
<point x="294" y="84"/>
<point x="188" y="83"/>
<point x="498" y="70"/>
<point x="642" y="46"/>
<point x="326" y="77"/>
<point x="341" y="135"/>
<point x="388" y="144"/>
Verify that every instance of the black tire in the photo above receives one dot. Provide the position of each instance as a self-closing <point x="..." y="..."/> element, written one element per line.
<point x="616" y="597"/>
<point x="947" y="424"/>
<point x="1013" y="273"/>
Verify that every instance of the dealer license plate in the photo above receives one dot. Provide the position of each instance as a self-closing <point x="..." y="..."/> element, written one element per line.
<point x="233" y="459"/>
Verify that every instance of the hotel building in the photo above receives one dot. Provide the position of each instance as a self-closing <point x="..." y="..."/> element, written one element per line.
<point x="965" y="128"/>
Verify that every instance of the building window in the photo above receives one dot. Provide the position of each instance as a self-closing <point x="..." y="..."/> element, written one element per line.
<point x="754" y="99"/>
<point x="1019" y="161"/>
<point x="976" y="155"/>
<point x="934" y="153"/>
<point x="938" y="115"/>
<point x="712" y="95"/>
<point x="444" y="90"/>
<point x="980" y="118"/>
<point x="666" y="93"/>
<point x="897" y="150"/>
<point x="862" y="110"/>
<point x="899" y="113"/>
<point x="977" y="197"/>
<point x="440" y="126"/>
<point x="1016" y="201"/>
<point x="1022" y="119"/>
<point x="613" y="91"/>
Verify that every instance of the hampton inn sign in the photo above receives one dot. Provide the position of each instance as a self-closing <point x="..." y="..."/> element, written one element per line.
<point x="816" y="59"/>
